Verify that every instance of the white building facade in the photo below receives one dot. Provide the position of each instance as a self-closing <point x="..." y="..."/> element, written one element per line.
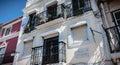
<point x="62" y="32"/>
<point x="110" y="12"/>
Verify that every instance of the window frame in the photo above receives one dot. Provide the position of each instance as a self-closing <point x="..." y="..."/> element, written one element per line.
<point x="54" y="38"/>
<point x="27" y="27"/>
<point x="9" y="31"/>
<point x="70" y="37"/>
<point x="2" y="54"/>
<point x="114" y="17"/>
<point x="47" y="10"/>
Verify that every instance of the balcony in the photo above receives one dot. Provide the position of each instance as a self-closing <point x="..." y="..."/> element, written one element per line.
<point x="45" y="17"/>
<point x="113" y="36"/>
<point x="37" y="55"/>
<point x="62" y="10"/>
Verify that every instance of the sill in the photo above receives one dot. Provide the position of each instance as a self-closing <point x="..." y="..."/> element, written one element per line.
<point x="81" y="43"/>
<point x="81" y="15"/>
<point x="50" y="23"/>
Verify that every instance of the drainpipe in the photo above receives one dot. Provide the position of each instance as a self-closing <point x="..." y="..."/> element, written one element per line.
<point x="104" y="14"/>
<point x="94" y="5"/>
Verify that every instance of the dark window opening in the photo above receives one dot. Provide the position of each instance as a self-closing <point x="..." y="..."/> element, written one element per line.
<point x="80" y="6"/>
<point x="2" y="51"/>
<point x="77" y="6"/>
<point x="30" y="25"/>
<point x="8" y="30"/>
<point x="50" y="51"/>
<point x="52" y="12"/>
<point x="31" y="21"/>
<point x="116" y="16"/>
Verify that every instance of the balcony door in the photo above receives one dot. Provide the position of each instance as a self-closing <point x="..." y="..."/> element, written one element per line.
<point x="50" y="51"/>
<point x="52" y="12"/>
<point x="116" y="16"/>
<point x="77" y="6"/>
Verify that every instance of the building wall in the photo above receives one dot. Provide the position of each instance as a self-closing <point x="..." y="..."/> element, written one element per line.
<point x="90" y="51"/>
<point x="107" y="9"/>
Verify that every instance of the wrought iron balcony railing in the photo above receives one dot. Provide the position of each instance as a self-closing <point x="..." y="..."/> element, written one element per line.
<point x="44" y="16"/>
<point x="113" y="36"/>
<point x="63" y="10"/>
<point x="37" y="55"/>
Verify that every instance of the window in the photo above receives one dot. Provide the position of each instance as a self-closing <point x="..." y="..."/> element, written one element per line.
<point x="8" y="30"/>
<point x="2" y="51"/>
<point x="30" y="25"/>
<point x="79" y="33"/>
<point x="116" y="16"/>
<point x="27" y="48"/>
<point x="50" y="51"/>
<point x="80" y="6"/>
<point x="52" y="12"/>
<point x="31" y="22"/>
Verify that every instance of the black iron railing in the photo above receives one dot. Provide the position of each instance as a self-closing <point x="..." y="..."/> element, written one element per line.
<point x="37" y="54"/>
<point x="1" y="58"/>
<point x="44" y="16"/>
<point x="113" y="36"/>
<point x="62" y="10"/>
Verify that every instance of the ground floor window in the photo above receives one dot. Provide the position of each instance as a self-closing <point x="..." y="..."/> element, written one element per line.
<point x="50" y="50"/>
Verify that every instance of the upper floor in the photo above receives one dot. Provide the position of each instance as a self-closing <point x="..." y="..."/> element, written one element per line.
<point x="44" y="11"/>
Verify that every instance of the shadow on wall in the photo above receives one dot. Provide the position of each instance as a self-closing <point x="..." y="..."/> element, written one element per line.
<point x="88" y="56"/>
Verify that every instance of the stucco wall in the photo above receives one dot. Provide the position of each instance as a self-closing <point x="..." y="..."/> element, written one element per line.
<point x="83" y="52"/>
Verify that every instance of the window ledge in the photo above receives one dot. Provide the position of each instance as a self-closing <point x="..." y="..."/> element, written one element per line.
<point x="25" y="57"/>
<point x="50" y="23"/>
<point x="81" y="43"/>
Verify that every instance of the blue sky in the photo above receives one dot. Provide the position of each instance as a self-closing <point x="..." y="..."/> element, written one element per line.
<point x="11" y="9"/>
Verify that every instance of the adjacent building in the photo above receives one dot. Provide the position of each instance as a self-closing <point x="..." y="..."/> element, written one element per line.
<point x="110" y="13"/>
<point x="9" y="35"/>
<point x="62" y="32"/>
